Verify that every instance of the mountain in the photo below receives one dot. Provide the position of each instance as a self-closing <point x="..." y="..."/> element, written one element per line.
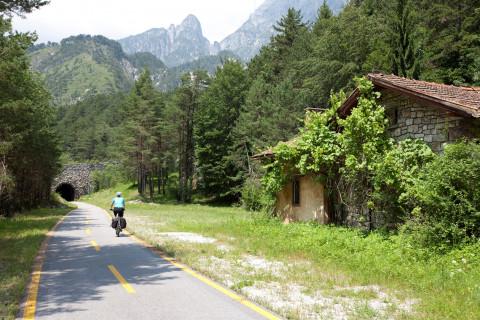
<point x="258" y="29"/>
<point x="79" y="67"/>
<point x="185" y="42"/>
<point x="83" y="66"/>
<point x="177" y="45"/>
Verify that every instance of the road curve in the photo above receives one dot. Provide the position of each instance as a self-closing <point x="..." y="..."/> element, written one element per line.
<point x="89" y="273"/>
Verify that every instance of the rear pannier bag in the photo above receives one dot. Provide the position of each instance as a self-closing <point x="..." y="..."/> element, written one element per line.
<point x="123" y="223"/>
<point x="114" y="223"/>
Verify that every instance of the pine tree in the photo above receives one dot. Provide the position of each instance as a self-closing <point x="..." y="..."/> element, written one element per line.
<point x="29" y="152"/>
<point x="405" y="52"/>
<point x="186" y="100"/>
<point x="215" y="120"/>
<point x="20" y="7"/>
<point x="142" y="105"/>
<point x="289" y="28"/>
<point x="452" y="40"/>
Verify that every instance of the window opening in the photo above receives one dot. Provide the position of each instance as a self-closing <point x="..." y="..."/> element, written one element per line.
<point x="296" y="192"/>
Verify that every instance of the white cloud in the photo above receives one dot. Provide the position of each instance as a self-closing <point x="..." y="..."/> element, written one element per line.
<point x="117" y="19"/>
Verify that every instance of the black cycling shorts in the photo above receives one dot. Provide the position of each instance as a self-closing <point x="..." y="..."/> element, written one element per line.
<point x="118" y="211"/>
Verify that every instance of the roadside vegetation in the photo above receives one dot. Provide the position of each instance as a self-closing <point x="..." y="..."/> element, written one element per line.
<point x="20" y="239"/>
<point x="307" y="271"/>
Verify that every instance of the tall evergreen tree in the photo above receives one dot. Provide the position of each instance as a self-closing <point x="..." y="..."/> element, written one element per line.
<point x="452" y="40"/>
<point x="215" y="120"/>
<point x="186" y="99"/>
<point x="404" y="46"/>
<point x="289" y="28"/>
<point x="29" y="152"/>
<point x="143" y="105"/>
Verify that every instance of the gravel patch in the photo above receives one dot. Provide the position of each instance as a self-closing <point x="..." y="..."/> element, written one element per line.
<point x="186" y="237"/>
<point x="269" y="283"/>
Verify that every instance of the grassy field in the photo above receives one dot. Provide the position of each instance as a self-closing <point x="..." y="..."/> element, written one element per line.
<point x="20" y="238"/>
<point x="305" y="271"/>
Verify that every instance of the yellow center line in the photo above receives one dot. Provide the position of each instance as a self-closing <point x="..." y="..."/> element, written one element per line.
<point x="121" y="279"/>
<point x="95" y="245"/>
<point x="86" y="222"/>
<point x="88" y="231"/>
<point x="232" y="295"/>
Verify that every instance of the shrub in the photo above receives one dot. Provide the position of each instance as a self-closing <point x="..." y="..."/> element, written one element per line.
<point x="254" y="196"/>
<point x="398" y="168"/>
<point x="446" y="197"/>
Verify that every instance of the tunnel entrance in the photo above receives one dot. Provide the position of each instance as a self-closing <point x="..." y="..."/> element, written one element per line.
<point x="66" y="191"/>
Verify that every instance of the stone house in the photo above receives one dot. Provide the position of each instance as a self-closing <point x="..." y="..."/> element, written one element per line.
<point x="433" y="112"/>
<point x="436" y="113"/>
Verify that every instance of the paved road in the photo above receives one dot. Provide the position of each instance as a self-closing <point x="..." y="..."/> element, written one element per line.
<point x="89" y="273"/>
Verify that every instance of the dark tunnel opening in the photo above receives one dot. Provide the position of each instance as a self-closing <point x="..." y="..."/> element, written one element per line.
<point x="66" y="191"/>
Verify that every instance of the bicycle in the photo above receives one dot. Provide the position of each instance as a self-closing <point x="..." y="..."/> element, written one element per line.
<point x="118" y="225"/>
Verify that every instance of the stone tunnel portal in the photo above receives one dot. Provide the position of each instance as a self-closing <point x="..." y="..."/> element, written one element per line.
<point x="66" y="191"/>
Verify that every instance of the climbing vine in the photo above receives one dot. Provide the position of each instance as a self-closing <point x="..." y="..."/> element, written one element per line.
<point x="340" y="153"/>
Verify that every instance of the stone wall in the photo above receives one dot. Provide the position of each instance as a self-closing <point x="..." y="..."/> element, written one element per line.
<point x="78" y="176"/>
<point x="411" y="118"/>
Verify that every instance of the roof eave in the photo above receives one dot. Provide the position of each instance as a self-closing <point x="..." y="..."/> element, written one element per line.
<point x="450" y="106"/>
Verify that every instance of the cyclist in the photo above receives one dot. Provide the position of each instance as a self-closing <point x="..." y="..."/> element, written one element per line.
<point x="119" y="203"/>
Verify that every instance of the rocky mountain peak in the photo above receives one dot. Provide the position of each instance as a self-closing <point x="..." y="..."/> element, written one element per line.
<point x="184" y="42"/>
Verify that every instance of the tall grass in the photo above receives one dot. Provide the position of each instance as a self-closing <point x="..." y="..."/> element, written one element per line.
<point x="444" y="286"/>
<point x="20" y="239"/>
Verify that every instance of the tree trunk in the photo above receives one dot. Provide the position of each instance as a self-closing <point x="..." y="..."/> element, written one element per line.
<point x="150" y="185"/>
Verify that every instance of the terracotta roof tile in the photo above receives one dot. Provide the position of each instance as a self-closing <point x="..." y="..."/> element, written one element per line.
<point x="465" y="99"/>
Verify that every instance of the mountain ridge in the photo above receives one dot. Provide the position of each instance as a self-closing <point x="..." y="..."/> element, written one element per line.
<point x="245" y="42"/>
<point x="175" y="45"/>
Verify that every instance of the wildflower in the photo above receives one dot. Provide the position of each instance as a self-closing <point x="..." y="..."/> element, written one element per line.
<point x="451" y="274"/>
<point x="459" y="270"/>
<point x="463" y="260"/>
<point x="453" y="261"/>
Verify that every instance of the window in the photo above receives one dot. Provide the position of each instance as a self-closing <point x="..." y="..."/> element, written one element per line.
<point x="296" y="192"/>
<point x="393" y="116"/>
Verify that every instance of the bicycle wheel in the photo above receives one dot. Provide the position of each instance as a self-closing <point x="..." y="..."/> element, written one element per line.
<point x="118" y="232"/>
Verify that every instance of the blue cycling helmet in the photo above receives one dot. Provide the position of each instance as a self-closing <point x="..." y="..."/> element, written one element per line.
<point x="119" y="194"/>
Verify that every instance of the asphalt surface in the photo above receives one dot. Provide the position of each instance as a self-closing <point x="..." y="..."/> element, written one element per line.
<point x="89" y="273"/>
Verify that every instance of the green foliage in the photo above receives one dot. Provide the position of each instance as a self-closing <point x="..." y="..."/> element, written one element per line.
<point x="29" y="153"/>
<point x="10" y="7"/>
<point x="395" y="173"/>
<point x="446" y="197"/>
<point x="215" y="120"/>
<point x="81" y="67"/>
<point x="90" y="130"/>
<point x="186" y="100"/>
<point x="255" y="197"/>
<point x="341" y="153"/>
<point x="452" y="43"/>
<point x="141" y="141"/>
<point x="107" y="178"/>
<point x="405" y="48"/>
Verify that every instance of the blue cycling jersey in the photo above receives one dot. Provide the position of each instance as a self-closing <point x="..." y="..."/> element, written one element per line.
<point x="118" y="201"/>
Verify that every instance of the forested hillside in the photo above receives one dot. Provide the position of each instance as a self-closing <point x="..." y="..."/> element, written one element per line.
<point x="79" y="67"/>
<point x="83" y="66"/>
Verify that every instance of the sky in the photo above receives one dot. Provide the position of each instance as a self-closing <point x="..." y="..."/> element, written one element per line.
<point x="117" y="19"/>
